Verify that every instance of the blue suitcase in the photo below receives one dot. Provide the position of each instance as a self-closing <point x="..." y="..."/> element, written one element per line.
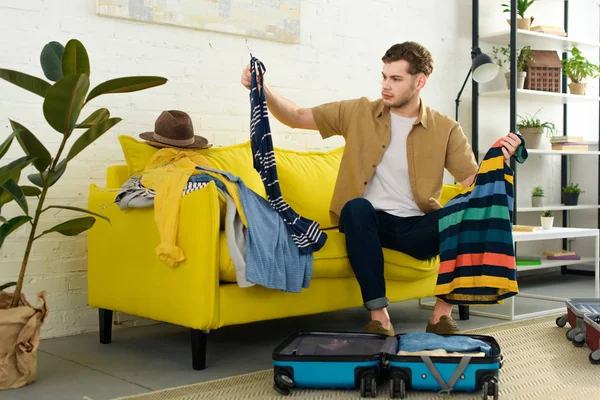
<point x="331" y="360"/>
<point x="335" y="360"/>
<point x="446" y="373"/>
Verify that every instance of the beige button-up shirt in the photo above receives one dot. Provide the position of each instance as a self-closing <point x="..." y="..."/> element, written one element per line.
<point x="434" y="143"/>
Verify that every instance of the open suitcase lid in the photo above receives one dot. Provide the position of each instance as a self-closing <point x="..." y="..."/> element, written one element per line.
<point x="334" y="346"/>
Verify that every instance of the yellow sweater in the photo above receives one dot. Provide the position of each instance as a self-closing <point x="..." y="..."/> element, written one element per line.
<point x="167" y="173"/>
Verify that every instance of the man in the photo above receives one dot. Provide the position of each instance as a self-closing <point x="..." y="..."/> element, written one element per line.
<point x="391" y="173"/>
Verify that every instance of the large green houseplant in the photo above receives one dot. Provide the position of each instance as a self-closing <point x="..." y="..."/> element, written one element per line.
<point x="578" y="69"/>
<point x="68" y="67"/>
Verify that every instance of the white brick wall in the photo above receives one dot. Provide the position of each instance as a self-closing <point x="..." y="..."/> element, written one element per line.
<point x="338" y="57"/>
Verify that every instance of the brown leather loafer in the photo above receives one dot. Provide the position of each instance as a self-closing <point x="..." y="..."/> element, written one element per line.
<point x="376" y="327"/>
<point x="446" y="326"/>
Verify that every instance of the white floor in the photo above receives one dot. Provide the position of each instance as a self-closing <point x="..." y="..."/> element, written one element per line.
<point x="156" y="357"/>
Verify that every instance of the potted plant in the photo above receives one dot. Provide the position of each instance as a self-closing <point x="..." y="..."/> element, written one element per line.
<point x="532" y="128"/>
<point x="547" y="219"/>
<point x="537" y="197"/>
<point x="502" y="57"/>
<point x="570" y="194"/>
<point x="522" y="6"/>
<point x="68" y="68"/>
<point x="578" y="69"/>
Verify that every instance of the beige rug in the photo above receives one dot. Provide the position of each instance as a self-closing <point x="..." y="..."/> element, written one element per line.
<point x="539" y="363"/>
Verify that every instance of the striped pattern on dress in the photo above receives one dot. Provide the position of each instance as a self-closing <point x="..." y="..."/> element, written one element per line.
<point x="477" y="258"/>
<point x="305" y="233"/>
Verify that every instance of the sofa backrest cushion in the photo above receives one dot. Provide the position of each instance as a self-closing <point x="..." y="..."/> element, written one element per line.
<point x="306" y="178"/>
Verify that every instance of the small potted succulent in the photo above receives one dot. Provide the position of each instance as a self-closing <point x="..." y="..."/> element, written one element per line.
<point x="570" y="194"/>
<point x="522" y="6"/>
<point x="547" y="219"/>
<point x="578" y="69"/>
<point x="537" y="197"/>
<point x="502" y="57"/>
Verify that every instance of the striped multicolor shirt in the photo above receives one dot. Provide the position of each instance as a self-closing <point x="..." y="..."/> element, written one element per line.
<point x="477" y="259"/>
<point x="305" y="233"/>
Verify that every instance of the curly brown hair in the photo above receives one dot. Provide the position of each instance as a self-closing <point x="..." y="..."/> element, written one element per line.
<point x="417" y="56"/>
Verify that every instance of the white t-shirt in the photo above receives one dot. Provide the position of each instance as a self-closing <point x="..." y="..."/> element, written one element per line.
<point x="389" y="188"/>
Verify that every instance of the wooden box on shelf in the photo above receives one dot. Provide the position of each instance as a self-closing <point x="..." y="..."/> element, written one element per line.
<point x="543" y="72"/>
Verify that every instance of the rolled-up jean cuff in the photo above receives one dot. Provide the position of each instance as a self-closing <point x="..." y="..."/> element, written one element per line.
<point x="377" y="303"/>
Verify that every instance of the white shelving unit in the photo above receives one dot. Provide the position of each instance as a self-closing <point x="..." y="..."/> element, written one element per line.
<point x="537" y="95"/>
<point x="558" y="207"/>
<point x="563" y="152"/>
<point x="540" y="41"/>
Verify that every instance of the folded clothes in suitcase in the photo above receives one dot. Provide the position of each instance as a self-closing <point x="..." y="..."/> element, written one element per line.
<point x="419" y="361"/>
<point x="468" y="363"/>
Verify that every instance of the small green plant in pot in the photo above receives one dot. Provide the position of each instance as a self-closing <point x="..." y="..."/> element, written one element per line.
<point x="537" y="197"/>
<point x="578" y="69"/>
<point x="532" y="129"/>
<point x="547" y="219"/>
<point x="522" y="6"/>
<point x="502" y="57"/>
<point x="68" y="68"/>
<point x="570" y="194"/>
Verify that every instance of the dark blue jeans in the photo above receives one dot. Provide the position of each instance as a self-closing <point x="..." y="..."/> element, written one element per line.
<point x="368" y="231"/>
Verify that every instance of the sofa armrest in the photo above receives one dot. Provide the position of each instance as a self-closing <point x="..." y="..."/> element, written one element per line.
<point x="116" y="176"/>
<point x="125" y="275"/>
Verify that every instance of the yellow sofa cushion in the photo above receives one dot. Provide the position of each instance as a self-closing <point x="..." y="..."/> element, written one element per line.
<point x="236" y="159"/>
<point x="307" y="180"/>
<point x="331" y="261"/>
<point x="136" y="153"/>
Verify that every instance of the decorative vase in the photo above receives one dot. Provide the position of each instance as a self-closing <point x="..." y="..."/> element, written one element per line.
<point x="20" y="333"/>
<point x="547" y="222"/>
<point x="570" y="199"/>
<point x="521" y="75"/>
<point x="577" y="88"/>
<point x="537" y="201"/>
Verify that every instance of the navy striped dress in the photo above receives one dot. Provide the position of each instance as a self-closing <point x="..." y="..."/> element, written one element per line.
<point x="305" y="233"/>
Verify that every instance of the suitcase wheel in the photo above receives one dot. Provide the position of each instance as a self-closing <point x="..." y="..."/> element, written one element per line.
<point x="571" y="333"/>
<point x="579" y="339"/>
<point x="595" y="357"/>
<point x="398" y="387"/>
<point x="283" y="384"/>
<point x="490" y="388"/>
<point x="562" y="320"/>
<point x="368" y="385"/>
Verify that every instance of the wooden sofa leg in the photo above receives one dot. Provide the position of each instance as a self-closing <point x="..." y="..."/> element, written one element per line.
<point x="463" y="312"/>
<point x="199" y="349"/>
<point x="105" y="318"/>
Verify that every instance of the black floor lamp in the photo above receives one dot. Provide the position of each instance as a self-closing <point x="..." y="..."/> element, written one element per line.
<point x="483" y="70"/>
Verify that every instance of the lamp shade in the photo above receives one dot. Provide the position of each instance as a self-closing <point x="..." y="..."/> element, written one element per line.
<point x="482" y="67"/>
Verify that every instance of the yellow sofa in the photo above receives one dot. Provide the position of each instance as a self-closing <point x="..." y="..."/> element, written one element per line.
<point x="201" y="293"/>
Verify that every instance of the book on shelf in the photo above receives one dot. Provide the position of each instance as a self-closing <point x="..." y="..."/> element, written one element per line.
<point x="575" y="257"/>
<point x="525" y="228"/>
<point x="561" y="255"/>
<point x="566" y="139"/>
<point x="549" y="30"/>
<point x="528" y="260"/>
<point x="558" y="253"/>
<point x="570" y="146"/>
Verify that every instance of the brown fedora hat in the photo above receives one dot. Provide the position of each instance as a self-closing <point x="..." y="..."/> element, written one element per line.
<point x="174" y="129"/>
